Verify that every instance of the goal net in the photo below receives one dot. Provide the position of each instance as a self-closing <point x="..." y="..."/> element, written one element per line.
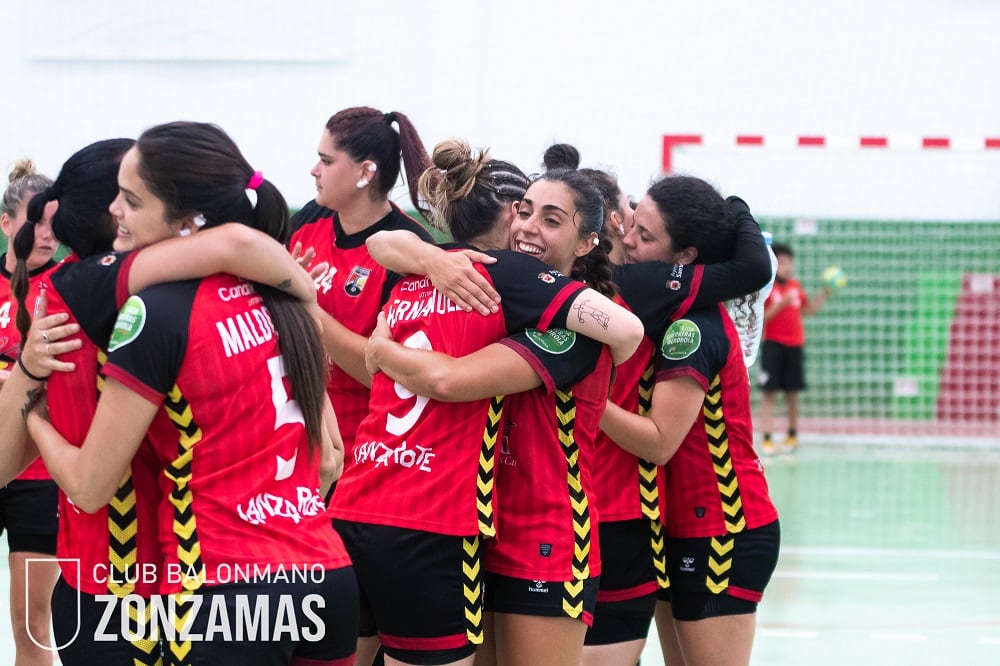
<point x="909" y="349"/>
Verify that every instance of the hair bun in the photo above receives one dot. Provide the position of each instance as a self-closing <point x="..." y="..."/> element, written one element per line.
<point x="22" y="168"/>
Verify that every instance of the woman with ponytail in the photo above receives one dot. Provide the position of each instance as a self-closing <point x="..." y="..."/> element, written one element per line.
<point x="84" y="294"/>
<point x="190" y="367"/>
<point x="28" y="503"/>
<point x="360" y="152"/>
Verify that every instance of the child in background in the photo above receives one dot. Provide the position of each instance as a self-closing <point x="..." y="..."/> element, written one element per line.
<point x="783" y="364"/>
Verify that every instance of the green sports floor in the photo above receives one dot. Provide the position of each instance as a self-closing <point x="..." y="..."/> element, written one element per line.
<point x="890" y="555"/>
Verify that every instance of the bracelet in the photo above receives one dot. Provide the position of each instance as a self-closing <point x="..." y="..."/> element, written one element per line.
<point x="36" y="378"/>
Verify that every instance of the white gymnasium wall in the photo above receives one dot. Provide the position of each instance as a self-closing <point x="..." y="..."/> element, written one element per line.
<point x="611" y="78"/>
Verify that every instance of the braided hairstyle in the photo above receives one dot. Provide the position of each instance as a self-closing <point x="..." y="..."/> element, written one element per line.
<point x="468" y="194"/>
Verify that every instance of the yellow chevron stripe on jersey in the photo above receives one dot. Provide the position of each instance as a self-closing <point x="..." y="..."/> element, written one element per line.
<point x="178" y="650"/>
<point x="472" y="588"/>
<point x="179" y="472"/>
<point x="718" y="447"/>
<point x="649" y="493"/>
<point x="146" y="651"/>
<point x="487" y="461"/>
<point x="102" y="357"/>
<point x="122" y="529"/>
<point x="566" y="418"/>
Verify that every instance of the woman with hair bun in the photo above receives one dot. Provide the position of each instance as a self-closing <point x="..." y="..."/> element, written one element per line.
<point x="430" y="461"/>
<point x="28" y="504"/>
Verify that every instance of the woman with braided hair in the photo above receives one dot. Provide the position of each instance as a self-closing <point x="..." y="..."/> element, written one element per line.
<point x="28" y="504"/>
<point x="431" y="463"/>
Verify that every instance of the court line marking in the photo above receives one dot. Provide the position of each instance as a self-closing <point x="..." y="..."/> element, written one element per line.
<point x="859" y="575"/>
<point x="787" y="633"/>
<point x="911" y="638"/>
<point x="810" y="551"/>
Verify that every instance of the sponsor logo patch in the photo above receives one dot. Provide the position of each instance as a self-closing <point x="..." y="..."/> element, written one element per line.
<point x="130" y="322"/>
<point x="555" y="341"/>
<point x="681" y="340"/>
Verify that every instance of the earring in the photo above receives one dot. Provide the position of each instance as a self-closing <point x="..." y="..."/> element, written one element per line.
<point x="597" y="241"/>
<point x="183" y="233"/>
<point x="361" y="184"/>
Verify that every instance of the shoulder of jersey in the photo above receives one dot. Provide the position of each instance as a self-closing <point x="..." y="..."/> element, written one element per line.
<point x="311" y="212"/>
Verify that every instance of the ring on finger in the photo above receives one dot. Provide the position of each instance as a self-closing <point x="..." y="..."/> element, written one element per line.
<point x="45" y="336"/>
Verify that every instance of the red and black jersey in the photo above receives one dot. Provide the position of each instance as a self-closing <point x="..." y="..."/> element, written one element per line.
<point x="239" y="483"/>
<point x="352" y="291"/>
<point x="10" y="342"/>
<point x="546" y="512"/>
<point x="113" y="543"/>
<point x="428" y="465"/>
<point x="714" y="483"/>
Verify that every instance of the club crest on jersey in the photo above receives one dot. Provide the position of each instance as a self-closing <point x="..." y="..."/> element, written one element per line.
<point x="554" y="341"/>
<point x="130" y="322"/>
<point x="674" y="285"/>
<point x="356" y="280"/>
<point x="108" y="259"/>
<point x="546" y="277"/>
<point x="681" y="340"/>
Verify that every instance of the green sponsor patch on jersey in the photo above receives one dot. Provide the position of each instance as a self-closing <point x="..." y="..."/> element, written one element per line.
<point x="128" y="326"/>
<point x="555" y="341"/>
<point x="681" y="340"/>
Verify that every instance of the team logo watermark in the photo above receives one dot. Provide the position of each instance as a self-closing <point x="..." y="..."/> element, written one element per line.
<point x="681" y="340"/>
<point x="266" y="615"/>
<point x="130" y="322"/>
<point x="553" y="341"/>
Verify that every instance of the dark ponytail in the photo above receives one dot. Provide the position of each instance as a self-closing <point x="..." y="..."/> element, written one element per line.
<point x="365" y="133"/>
<point x="197" y="169"/>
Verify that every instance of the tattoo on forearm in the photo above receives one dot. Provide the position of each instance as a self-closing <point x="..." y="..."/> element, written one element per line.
<point x="584" y="310"/>
<point x="284" y="285"/>
<point x="33" y="397"/>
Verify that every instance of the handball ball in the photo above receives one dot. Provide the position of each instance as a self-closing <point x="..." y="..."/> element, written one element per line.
<point x="834" y="278"/>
